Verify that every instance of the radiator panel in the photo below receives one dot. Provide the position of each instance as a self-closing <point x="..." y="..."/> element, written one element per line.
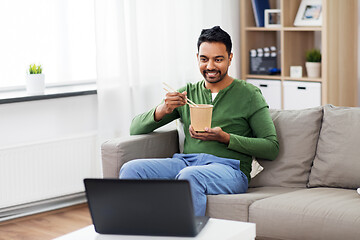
<point x="44" y="170"/>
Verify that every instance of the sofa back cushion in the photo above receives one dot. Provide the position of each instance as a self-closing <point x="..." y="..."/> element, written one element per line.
<point x="337" y="160"/>
<point x="297" y="132"/>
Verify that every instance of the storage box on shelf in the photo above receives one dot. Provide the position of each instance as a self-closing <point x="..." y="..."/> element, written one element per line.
<point x="298" y="95"/>
<point x="337" y="39"/>
<point x="271" y="90"/>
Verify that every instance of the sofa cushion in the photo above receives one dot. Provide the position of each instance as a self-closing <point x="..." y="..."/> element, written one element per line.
<point x="337" y="160"/>
<point x="316" y="213"/>
<point x="236" y="206"/>
<point x="297" y="132"/>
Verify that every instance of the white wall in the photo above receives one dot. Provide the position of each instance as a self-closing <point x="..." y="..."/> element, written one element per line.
<point x="47" y="147"/>
<point x="41" y="121"/>
<point x="50" y="119"/>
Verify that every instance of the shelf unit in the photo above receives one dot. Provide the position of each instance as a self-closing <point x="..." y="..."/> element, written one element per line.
<point x="338" y="43"/>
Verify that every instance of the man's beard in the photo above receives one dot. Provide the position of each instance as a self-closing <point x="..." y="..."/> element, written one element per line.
<point x="210" y="80"/>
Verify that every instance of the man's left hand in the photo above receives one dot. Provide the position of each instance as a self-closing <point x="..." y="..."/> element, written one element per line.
<point x="211" y="134"/>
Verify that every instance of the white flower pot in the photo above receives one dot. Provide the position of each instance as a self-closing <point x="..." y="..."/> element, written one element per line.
<point x="35" y="84"/>
<point x="313" y="69"/>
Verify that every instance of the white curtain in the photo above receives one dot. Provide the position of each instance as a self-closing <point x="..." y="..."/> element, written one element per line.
<point x="58" y="34"/>
<point x="141" y="43"/>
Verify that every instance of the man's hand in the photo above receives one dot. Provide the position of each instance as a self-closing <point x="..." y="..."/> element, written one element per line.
<point x="172" y="100"/>
<point x="211" y="134"/>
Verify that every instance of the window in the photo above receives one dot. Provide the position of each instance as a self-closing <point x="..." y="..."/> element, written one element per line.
<point x="58" y="34"/>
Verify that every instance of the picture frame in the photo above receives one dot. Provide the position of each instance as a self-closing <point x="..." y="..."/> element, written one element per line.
<point x="296" y="72"/>
<point x="272" y="18"/>
<point x="309" y="13"/>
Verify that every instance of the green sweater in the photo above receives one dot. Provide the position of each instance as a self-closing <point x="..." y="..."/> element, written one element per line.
<point x="239" y="110"/>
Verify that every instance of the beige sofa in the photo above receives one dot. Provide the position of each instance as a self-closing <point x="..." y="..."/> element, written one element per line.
<point x="308" y="192"/>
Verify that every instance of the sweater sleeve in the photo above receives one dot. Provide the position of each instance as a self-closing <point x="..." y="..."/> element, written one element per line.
<point x="264" y="144"/>
<point x="145" y="123"/>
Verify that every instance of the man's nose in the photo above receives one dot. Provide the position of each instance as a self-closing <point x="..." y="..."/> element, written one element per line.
<point x="210" y="65"/>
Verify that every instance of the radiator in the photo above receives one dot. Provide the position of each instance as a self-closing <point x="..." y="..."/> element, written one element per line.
<point x="44" y="170"/>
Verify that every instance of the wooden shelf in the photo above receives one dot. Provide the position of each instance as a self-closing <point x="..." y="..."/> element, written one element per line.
<point x="304" y="79"/>
<point x="278" y="77"/>
<point x="262" y="29"/>
<point x="255" y="76"/>
<point x="337" y="38"/>
<point x="296" y="29"/>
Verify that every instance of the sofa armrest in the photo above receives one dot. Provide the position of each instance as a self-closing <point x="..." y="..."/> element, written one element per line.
<point x="116" y="152"/>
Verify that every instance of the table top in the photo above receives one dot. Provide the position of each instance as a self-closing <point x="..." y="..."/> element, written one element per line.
<point x="215" y="229"/>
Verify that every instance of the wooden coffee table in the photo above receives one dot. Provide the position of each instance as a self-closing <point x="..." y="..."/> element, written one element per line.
<point x="215" y="229"/>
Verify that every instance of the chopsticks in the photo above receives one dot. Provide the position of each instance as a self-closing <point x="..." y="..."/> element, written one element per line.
<point x="191" y="103"/>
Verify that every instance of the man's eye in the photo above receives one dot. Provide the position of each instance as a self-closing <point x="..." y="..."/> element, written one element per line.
<point x="203" y="59"/>
<point x="219" y="60"/>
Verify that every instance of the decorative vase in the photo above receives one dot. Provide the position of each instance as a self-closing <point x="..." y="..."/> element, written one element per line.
<point x="313" y="69"/>
<point x="35" y="84"/>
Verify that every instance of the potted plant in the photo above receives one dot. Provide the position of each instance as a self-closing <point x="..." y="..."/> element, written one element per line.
<point x="35" y="80"/>
<point x="313" y="63"/>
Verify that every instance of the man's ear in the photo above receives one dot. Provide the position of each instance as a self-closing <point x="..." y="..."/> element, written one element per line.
<point x="197" y="57"/>
<point x="230" y="58"/>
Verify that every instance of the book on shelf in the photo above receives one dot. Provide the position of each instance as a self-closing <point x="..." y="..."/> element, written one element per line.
<point x="259" y="7"/>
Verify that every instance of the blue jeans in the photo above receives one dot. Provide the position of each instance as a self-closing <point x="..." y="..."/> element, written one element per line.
<point x="207" y="174"/>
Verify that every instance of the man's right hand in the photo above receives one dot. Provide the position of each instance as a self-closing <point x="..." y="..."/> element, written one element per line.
<point x="172" y="100"/>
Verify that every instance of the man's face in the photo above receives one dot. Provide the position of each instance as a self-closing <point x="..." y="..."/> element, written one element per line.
<point x="214" y="61"/>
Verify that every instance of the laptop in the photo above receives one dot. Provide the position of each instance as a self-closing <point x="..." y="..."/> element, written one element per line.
<point x="142" y="207"/>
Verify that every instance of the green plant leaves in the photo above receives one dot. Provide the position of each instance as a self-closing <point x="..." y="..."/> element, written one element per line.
<point x="33" y="69"/>
<point x="313" y="55"/>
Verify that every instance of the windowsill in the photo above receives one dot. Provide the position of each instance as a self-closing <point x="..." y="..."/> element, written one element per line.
<point x="50" y="93"/>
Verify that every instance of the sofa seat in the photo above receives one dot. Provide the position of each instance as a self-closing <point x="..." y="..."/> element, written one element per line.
<point x="236" y="206"/>
<point x="315" y="213"/>
<point x="307" y="192"/>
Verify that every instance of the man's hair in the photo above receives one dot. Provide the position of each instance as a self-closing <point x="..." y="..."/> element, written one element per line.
<point x="215" y="34"/>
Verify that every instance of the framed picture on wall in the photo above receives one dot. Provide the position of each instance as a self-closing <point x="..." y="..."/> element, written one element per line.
<point x="309" y="13"/>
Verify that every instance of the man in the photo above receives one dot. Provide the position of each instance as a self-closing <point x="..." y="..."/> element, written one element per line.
<point x="217" y="161"/>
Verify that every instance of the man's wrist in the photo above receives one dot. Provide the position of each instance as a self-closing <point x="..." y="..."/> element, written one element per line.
<point x="226" y="138"/>
<point x="159" y="113"/>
